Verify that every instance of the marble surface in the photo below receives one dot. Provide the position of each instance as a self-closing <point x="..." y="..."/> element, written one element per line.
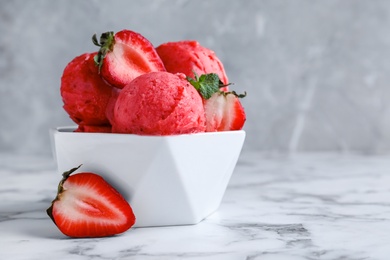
<point x="301" y="206"/>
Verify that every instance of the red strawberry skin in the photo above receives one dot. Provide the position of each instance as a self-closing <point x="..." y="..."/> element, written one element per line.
<point x="224" y="112"/>
<point x="87" y="206"/>
<point x="130" y="56"/>
<point x="188" y="57"/>
<point x="84" y="93"/>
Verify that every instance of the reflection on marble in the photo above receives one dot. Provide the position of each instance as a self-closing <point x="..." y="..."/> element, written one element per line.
<point x="307" y="206"/>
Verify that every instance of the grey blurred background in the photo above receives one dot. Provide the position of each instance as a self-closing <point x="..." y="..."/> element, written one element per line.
<point x="317" y="73"/>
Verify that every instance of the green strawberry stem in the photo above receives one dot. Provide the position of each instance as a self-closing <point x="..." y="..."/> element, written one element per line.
<point x="235" y="93"/>
<point x="106" y="44"/>
<point x="60" y="189"/>
<point x="65" y="176"/>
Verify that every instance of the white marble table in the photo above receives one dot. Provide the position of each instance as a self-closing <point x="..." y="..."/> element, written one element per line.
<point x="307" y="206"/>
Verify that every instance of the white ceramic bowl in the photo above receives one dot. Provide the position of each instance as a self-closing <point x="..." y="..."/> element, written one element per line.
<point x="168" y="180"/>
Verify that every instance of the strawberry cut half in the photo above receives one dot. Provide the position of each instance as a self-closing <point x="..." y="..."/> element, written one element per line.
<point x="224" y="112"/>
<point x="125" y="55"/>
<point x="87" y="206"/>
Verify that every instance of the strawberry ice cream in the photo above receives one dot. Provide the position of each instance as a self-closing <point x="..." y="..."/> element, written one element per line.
<point x="84" y="93"/>
<point x="111" y="104"/>
<point x="159" y="103"/>
<point x="93" y="128"/>
<point x="188" y="57"/>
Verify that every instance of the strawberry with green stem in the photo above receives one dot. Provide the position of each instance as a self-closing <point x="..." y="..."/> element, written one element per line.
<point x="223" y="110"/>
<point x="87" y="206"/>
<point x="124" y="56"/>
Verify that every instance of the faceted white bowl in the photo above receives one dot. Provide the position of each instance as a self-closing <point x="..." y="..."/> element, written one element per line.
<point x="168" y="180"/>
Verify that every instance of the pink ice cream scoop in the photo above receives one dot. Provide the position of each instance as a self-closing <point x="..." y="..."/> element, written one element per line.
<point x="159" y="103"/>
<point x="93" y="128"/>
<point x="188" y="57"/>
<point x="84" y="93"/>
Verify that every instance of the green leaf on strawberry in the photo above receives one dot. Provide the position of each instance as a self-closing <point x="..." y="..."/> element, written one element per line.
<point x="206" y="84"/>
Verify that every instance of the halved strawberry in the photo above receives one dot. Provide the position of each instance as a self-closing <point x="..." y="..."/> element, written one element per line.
<point x="223" y="110"/>
<point x="124" y="56"/>
<point x="87" y="206"/>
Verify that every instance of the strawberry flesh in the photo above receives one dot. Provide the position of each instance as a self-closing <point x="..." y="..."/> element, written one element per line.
<point x="87" y="206"/>
<point x="224" y="112"/>
<point x="125" y="56"/>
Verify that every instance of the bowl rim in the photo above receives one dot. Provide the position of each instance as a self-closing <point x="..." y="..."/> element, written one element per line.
<point x="69" y="130"/>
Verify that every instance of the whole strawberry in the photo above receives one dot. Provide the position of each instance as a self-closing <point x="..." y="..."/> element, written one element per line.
<point x="87" y="206"/>
<point x="125" y="55"/>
